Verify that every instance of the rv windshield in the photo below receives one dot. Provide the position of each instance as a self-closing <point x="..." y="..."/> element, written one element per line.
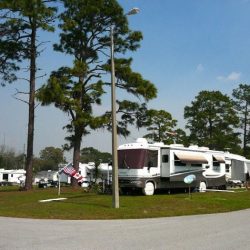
<point x="132" y="158"/>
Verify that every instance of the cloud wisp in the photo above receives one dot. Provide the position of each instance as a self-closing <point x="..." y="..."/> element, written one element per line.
<point x="199" y="68"/>
<point x="233" y="76"/>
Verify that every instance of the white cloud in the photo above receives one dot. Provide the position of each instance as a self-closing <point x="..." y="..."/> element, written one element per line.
<point x="199" y="68"/>
<point x="233" y="76"/>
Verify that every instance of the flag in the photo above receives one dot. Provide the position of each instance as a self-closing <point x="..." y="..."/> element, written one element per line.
<point x="78" y="177"/>
<point x="69" y="170"/>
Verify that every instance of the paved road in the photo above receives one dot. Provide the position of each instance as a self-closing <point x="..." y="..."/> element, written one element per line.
<point x="215" y="231"/>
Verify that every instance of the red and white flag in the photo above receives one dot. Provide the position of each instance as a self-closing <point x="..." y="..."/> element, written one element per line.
<point x="78" y="177"/>
<point x="69" y="170"/>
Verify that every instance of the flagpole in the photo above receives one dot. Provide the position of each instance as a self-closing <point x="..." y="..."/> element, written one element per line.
<point x="59" y="182"/>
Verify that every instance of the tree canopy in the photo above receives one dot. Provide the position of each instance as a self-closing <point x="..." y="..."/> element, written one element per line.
<point x="160" y="125"/>
<point x="242" y="103"/>
<point x="212" y="121"/>
<point x="51" y="157"/>
<point x="91" y="154"/>
<point x="9" y="159"/>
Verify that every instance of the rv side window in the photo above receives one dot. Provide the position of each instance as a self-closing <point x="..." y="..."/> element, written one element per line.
<point x="177" y="161"/>
<point x="152" y="158"/>
<point x="227" y="168"/>
<point x="216" y="165"/>
<point x="196" y="165"/>
<point x="5" y="177"/>
<point x="165" y="158"/>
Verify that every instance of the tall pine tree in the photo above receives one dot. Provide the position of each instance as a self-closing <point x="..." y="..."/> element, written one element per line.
<point x="242" y="104"/>
<point x="85" y="36"/>
<point x="20" y="22"/>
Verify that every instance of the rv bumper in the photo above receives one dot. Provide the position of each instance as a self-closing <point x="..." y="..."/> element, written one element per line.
<point x="124" y="183"/>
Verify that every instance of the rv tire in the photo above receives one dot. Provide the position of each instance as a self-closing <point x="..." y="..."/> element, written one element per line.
<point x="149" y="188"/>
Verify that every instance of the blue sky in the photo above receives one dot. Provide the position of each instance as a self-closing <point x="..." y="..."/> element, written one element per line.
<point x="188" y="46"/>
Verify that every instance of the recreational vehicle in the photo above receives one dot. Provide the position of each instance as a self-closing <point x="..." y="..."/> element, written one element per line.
<point x="12" y="177"/>
<point x="238" y="168"/>
<point x="46" y="175"/>
<point x="149" y="167"/>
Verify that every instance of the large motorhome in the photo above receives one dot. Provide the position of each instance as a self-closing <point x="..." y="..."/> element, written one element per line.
<point x="157" y="166"/>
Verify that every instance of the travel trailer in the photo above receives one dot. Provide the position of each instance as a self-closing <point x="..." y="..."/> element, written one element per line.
<point x="155" y="166"/>
<point x="48" y="175"/>
<point x="12" y="177"/>
<point x="237" y="168"/>
<point x="86" y="170"/>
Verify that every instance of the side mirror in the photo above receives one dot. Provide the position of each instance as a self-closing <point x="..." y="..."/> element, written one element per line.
<point x="150" y="165"/>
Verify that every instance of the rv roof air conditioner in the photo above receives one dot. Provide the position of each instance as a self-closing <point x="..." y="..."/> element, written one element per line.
<point x="159" y="144"/>
<point x="142" y="141"/>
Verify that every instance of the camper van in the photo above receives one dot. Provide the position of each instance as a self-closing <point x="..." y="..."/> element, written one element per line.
<point x="149" y="167"/>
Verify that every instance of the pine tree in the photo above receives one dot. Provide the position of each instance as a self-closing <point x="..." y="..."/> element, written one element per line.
<point x="20" y="22"/>
<point x="85" y="36"/>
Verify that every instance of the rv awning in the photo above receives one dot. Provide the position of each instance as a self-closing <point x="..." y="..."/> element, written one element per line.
<point x="190" y="157"/>
<point x="219" y="158"/>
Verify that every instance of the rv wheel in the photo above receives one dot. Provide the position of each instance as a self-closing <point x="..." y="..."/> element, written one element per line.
<point x="203" y="187"/>
<point x="149" y="188"/>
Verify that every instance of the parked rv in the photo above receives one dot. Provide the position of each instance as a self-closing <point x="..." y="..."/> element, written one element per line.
<point x="155" y="166"/>
<point x="12" y="177"/>
<point x="238" y="169"/>
<point x="45" y="176"/>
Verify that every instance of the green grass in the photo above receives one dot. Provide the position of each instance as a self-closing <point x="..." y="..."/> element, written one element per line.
<point x="82" y="205"/>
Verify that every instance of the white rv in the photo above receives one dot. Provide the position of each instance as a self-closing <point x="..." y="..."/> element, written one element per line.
<point x="157" y="166"/>
<point x="47" y="175"/>
<point x="238" y="167"/>
<point x="9" y="177"/>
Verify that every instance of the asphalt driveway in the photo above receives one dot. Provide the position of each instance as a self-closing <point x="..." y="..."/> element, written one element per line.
<point x="214" y="231"/>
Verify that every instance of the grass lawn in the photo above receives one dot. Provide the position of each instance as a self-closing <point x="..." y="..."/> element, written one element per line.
<point x="86" y="206"/>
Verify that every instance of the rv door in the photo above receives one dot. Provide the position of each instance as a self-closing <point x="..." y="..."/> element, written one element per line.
<point x="238" y="170"/>
<point x="165" y="163"/>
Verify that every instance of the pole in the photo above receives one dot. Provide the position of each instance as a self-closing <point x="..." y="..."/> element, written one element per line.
<point x="59" y="182"/>
<point x="115" y="185"/>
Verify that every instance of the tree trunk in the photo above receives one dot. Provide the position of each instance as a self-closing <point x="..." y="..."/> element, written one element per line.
<point x="30" y="140"/>
<point x="77" y="136"/>
<point x="210" y="131"/>
<point x="245" y="132"/>
<point x="76" y="153"/>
